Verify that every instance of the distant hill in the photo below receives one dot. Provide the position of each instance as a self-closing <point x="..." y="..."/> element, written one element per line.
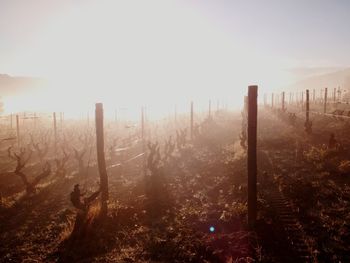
<point x="10" y="85"/>
<point x="331" y="80"/>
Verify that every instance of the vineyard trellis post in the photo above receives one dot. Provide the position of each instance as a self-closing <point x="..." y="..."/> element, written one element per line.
<point x="325" y="101"/>
<point x="55" y="131"/>
<point x="252" y="158"/>
<point x="283" y="107"/>
<point x="17" y="130"/>
<point x="191" y="127"/>
<point x="101" y="162"/>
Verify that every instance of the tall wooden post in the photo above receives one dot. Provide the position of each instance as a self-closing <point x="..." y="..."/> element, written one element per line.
<point x="313" y="96"/>
<point x="334" y="95"/>
<point x="339" y="94"/>
<point x="11" y="121"/>
<point x="55" y="131"/>
<point x="142" y="124"/>
<point x="283" y="107"/>
<point x="191" y="120"/>
<point x="101" y="158"/>
<point x="17" y="129"/>
<point x="325" y="101"/>
<point x="307" y="106"/>
<point x="252" y="160"/>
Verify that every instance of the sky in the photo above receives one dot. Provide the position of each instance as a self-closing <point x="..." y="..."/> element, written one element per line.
<point x="141" y="51"/>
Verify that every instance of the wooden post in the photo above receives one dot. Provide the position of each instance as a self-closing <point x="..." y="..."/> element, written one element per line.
<point x="252" y="161"/>
<point x="142" y="124"/>
<point x="339" y="94"/>
<point x="55" y="130"/>
<point x="334" y="95"/>
<point x="101" y="158"/>
<point x="325" y="101"/>
<point x="307" y="106"/>
<point x="191" y="120"/>
<point x="17" y="129"/>
<point x="283" y="108"/>
<point x="11" y="121"/>
<point x="313" y="96"/>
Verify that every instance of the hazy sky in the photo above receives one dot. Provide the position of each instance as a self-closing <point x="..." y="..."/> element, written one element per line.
<point x="171" y="48"/>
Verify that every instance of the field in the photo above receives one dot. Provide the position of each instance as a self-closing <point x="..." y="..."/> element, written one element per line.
<point x="177" y="195"/>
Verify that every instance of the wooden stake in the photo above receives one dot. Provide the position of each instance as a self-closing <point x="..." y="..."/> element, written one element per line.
<point x="142" y="123"/>
<point x="283" y="108"/>
<point x="252" y="160"/>
<point x="17" y="129"/>
<point x="101" y="158"/>
<point x="191" y="120"/>
<point x="325" y="101"/>
<point x="55" y="130"/>
<point x="307" y="106"/>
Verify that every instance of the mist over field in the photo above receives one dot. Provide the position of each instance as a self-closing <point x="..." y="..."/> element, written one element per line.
<point x="174" y="131"/>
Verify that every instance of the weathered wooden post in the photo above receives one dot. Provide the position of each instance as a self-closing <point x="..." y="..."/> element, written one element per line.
<point x="283" y="107"/>
<point x="11" y="121"/>
<point x="17" y="130"/>
<point x="313" y="96"/>
<point x="252" y="161"/>
<point x="325" y="101"/>
<point x="55" y="131"/>
<point x="191" y="120"/>
<point x="101" y="158"/>
<point x="142" y="124"/>
<point x="334" y="95"/>
<point x="307" y="121"/>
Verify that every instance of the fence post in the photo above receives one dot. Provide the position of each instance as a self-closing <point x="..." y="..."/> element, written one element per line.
<point x="252" y="162"/>
<point x="325" y="101"/>
<point x="307" y="122"/>
<point x="101" y="158"/>
<point x="191" y="120"/>
<point x="55" y="131"/>
<point x="17" y="129"/>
